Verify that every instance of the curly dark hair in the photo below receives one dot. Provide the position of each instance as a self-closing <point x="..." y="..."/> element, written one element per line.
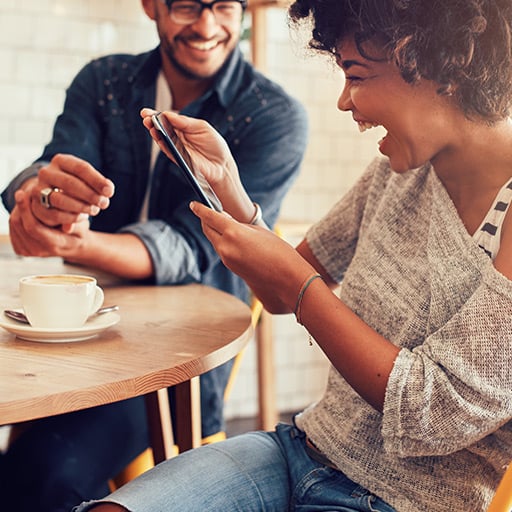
<point x="463" y="45"/>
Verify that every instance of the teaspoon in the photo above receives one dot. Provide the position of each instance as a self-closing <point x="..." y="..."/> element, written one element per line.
<point x="20" y="317"/>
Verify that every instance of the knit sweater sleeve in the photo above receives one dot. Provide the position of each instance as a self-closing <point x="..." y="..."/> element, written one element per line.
<point x="454" y="388"/>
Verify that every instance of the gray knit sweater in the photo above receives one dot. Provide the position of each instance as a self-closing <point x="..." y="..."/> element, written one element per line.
<point x="412" y="272"/>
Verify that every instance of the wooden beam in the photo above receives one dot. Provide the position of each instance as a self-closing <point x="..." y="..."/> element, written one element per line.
<point x="258" y="38"/>
<point x="268" y="3"/>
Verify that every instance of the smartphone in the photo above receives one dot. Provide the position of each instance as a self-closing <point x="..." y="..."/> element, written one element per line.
<point x="197" y="181"/>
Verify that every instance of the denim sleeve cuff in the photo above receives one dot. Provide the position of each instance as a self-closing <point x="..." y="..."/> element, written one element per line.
<point x="174" y="261"/>
<point x="16" y="182"/>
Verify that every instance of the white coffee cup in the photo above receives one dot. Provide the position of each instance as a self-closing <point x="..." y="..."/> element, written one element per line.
<point x="57" y="301"/>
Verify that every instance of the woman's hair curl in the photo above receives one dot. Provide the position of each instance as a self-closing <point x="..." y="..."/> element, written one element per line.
<point x="463" y="45"/>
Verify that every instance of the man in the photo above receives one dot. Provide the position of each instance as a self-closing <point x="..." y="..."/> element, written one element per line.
<point x="64" y="205"/>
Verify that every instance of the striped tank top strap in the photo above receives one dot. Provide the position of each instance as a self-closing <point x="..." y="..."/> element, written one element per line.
<point x="488" y="234"/>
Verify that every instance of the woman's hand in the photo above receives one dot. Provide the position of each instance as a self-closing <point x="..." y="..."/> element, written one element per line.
<point x="271" y="267"/>
<point x="211" y="156"/>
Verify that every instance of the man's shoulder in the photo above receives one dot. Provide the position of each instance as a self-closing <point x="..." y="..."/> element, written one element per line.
<point x="123" y="60"/>
<point x="124" y="64"/>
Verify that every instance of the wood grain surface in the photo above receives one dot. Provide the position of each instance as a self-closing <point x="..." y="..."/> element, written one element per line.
<point x="166" y="335"/>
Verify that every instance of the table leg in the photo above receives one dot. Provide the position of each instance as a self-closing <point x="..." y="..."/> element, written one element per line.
<point x="187" y="428"/>
<point x="268" y="415"/>
<point x="160" y="425"/>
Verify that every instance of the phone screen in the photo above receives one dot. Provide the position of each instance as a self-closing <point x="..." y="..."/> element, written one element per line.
<point x="184" y="162"/>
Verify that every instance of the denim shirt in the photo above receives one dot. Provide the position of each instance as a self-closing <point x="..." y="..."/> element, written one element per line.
<point x="264" y="127"/>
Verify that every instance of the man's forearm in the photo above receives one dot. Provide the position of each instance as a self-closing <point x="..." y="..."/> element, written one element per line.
<point x="120" y="254"/>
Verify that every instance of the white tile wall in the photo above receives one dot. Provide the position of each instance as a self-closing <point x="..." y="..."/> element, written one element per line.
<point x="43" y="43"/>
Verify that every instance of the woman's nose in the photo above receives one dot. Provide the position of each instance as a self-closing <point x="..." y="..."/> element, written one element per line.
<point x="345" y="101"/>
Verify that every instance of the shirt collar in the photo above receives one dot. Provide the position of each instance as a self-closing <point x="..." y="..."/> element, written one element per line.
<point x="147" y="71"/>
<point x="229" y="78"/>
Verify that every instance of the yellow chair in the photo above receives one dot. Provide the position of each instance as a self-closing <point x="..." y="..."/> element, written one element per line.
<point x="137" y="466"/>
<point x="256" y="311"/>
<point x="502" y="500"/>
<point x="145" y="460"/>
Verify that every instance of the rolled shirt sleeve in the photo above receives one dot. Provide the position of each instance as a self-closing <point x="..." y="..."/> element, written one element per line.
<point x="173" y="259"/>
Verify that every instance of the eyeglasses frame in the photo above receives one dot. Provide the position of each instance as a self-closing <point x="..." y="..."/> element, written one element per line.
<point x="205" y="5"/>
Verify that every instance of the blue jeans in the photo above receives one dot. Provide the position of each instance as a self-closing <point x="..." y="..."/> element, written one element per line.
<point x="255" y="472"/>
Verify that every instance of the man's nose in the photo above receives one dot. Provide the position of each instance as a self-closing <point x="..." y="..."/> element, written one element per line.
<point x="206" y="25"/>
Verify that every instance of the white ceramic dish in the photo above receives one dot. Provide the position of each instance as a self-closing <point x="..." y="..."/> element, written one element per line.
<point x="92" y="328"/>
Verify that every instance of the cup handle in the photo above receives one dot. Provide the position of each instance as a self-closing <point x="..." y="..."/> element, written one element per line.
<point x="98" y="300"/>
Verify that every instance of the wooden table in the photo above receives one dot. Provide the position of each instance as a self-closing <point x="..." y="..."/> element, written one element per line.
<point x="168" y="335"/>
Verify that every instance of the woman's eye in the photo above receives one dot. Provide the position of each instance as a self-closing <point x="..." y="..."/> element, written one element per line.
<point x="352" y="79"/>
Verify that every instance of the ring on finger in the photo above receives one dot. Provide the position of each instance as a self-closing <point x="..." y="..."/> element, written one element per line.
<point x="44" y="196"/>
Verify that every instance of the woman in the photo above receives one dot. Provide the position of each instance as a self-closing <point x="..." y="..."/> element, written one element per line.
<point x="416" y="413"/>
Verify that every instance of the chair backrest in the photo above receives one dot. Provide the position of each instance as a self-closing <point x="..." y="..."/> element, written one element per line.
<point x="256" y="309"/>
<point x="502" y="500"/>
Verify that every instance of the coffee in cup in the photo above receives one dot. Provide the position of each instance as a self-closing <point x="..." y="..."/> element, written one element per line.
<point x="57" y="301"/>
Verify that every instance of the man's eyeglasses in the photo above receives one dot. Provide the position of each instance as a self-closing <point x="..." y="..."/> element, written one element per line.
<point x="185" y="12"/>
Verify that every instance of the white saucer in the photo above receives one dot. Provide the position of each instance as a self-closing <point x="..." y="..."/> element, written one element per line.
<point x="92" y="328"/>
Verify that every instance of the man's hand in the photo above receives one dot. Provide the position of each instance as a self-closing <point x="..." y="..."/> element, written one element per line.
<point x="59" y="228"/>
<point x="30" y="237"/>
<point x="79" y="189"/>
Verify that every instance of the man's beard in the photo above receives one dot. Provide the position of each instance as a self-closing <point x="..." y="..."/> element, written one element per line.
<point x="187" y="73"/>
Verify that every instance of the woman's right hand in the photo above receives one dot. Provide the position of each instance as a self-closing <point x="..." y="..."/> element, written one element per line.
<point x="211" y="156"/>
<point x="271" y="267"/>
